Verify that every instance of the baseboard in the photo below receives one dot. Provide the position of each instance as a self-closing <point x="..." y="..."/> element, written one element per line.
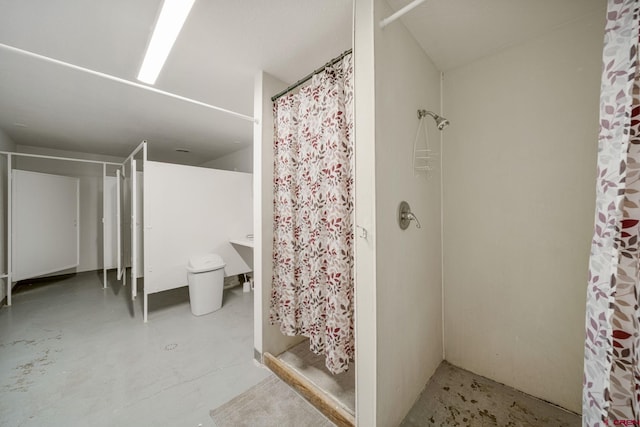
<point x="314" y="395"/>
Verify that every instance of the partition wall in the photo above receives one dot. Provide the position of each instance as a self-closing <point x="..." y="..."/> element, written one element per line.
<point x="155" y="216"/>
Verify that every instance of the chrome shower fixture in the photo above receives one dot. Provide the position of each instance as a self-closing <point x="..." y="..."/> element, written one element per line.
<point x="441" y="122"/>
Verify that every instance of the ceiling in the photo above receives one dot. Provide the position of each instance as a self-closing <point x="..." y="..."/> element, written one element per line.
<point x="221" y="48"/>
<point x="457" y="32"/>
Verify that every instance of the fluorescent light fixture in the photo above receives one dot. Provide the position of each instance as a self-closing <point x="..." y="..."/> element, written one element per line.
<point x="172" y="17"/>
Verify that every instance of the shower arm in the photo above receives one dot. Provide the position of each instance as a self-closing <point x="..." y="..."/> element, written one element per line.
<point x="424" y="113"/>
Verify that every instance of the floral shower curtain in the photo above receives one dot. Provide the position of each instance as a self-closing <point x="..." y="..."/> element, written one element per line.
<point x="312" y="293"/>
<point x="611" y="393"/>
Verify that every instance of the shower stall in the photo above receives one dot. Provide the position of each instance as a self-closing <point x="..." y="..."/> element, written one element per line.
<point x="494" y="278"/>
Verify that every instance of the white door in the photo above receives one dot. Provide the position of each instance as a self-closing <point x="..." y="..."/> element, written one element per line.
<point x="111" y="226"/>
<point x="45" y="232"/>
<point x="134" y="234"/>
<point x="119" y="224"/>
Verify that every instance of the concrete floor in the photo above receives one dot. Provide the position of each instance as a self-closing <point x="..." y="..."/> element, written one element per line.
<point x="74" y="354"/>
<point x="455" y="397"/>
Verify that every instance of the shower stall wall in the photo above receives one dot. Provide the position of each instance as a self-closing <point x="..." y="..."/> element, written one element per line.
<point x="519" y="198"/>
<point x="399" y="314"/>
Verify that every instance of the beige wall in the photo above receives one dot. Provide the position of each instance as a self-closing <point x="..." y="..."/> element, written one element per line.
<point x="519" y="173"/>
<point x="408" y="262"/>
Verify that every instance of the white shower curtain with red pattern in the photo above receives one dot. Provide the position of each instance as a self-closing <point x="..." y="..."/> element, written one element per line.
<point x="611" y="393"/>
<point x="312" y="289"/>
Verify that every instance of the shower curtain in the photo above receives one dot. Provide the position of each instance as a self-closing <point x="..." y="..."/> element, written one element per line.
<point x="312" y="289"/>
<point x="611" y="389"/>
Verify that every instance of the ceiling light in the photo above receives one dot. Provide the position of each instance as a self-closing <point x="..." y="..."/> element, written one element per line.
<point x="172" y="17"/>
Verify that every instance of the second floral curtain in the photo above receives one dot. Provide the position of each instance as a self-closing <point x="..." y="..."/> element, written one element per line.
<point x="611" y="394"/>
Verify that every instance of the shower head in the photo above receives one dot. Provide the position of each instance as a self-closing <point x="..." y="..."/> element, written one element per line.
<point x="441" y="122"/>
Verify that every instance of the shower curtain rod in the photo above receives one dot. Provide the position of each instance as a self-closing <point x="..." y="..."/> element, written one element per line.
<point x="308" y="76"/>
<point x="400" y="13"/>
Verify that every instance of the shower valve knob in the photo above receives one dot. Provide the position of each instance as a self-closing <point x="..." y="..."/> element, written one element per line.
<point x="405" y="216"/>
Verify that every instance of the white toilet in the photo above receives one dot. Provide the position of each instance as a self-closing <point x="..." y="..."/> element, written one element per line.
<point x="205" y="274"/>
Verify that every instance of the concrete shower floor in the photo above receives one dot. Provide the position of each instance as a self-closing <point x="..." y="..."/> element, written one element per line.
<point x="74" y="354"/>
<point x="341" y="387"/>
<point x="455" y="397"/>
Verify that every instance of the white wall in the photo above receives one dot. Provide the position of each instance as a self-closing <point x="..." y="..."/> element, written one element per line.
<point x="238" y="161"/>
<point x="519" y="174"/>
<point x="408" y="306"/>
<point x="90" y="175"/>
<point x="6" y="144"/>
